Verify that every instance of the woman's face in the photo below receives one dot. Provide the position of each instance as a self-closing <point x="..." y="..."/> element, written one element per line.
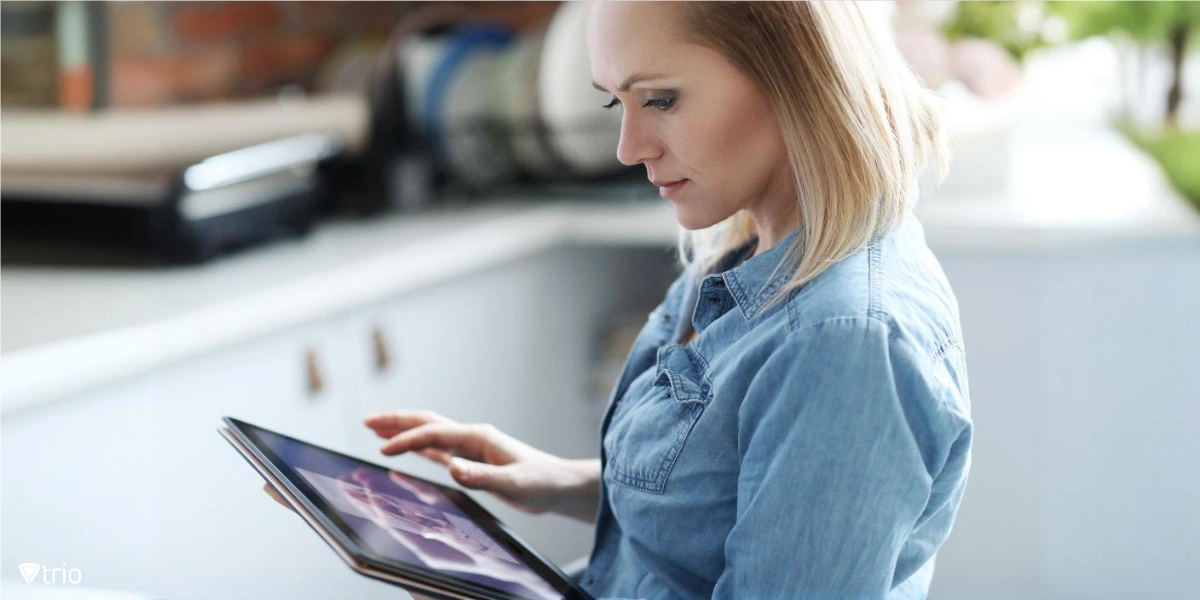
<point x="694" y="116"/>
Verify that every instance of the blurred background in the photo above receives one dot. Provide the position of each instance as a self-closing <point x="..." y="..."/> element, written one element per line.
<point x="300" y="213"/>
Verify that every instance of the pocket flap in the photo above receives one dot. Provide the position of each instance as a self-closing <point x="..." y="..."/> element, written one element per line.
<point x="684" y="372"/>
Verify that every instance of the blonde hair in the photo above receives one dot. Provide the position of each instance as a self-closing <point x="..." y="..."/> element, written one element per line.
<point x="858" y="124"/>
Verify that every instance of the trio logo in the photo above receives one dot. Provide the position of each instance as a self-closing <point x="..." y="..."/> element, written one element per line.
<point x="30" y="571"/>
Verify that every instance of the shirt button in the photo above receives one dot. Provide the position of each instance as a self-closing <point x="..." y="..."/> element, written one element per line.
<point x="713" y="300"/>
<point x="591" y="579"/>
<point x="720" y="283"/>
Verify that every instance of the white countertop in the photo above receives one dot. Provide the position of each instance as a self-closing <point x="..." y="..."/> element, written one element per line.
<point x="397" y="252"/>
<point x="1061" y="192"/>
<point x="112" y="323"/>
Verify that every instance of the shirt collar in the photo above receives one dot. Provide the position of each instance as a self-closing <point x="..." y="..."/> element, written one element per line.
<point x="752" y="282"/>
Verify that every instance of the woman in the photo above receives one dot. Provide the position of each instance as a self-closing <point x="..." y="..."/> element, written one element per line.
<point x="793" y="419"/>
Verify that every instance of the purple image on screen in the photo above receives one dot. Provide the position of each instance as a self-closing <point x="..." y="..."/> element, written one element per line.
<point x="408" y="520"/>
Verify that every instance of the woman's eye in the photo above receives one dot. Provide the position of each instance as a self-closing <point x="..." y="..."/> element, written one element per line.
<point x="661" y="103"/>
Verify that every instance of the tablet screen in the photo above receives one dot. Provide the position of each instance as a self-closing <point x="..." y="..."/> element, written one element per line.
<point x="403" y="519"/>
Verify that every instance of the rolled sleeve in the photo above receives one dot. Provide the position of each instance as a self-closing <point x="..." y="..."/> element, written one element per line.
<point x="839" y="440"/>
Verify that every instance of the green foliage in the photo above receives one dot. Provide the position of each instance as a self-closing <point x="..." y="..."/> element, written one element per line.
<point x="1018" y="27"/>
<point x="1179" y="155"/>
<point x="1142" y="21"/>
<point x="1146" y="23"/>
<point x="1002" y="20"/>
<point x="999" y="21"/>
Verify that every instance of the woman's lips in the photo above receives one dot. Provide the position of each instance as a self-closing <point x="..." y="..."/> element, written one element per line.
<point x="671" y="190"/>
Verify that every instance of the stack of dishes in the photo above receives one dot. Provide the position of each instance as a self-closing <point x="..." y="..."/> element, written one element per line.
<point x="491" y="105"/>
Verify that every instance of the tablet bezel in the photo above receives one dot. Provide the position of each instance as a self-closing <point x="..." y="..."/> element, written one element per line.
<point x="303" y="492"/>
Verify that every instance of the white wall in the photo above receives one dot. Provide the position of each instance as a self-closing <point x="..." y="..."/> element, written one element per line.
<point x="1085" y="384"/>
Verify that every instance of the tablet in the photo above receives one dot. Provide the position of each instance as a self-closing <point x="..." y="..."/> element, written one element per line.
<point x="426" y="537"/>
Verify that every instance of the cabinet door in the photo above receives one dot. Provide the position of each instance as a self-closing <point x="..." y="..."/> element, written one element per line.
<point x="219" y="534"/>
<point x="79" y="486"/>
<point x="134" y="486"/>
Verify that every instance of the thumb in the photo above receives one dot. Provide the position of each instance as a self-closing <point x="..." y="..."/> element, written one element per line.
<point x="481" y="476"/>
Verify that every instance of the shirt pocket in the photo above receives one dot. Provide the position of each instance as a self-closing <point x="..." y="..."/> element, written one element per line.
<point x="656" y="429"/>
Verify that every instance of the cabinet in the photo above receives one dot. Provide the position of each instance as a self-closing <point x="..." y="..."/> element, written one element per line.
<point x="132" y="484"/>
<point x="216" y="533"/>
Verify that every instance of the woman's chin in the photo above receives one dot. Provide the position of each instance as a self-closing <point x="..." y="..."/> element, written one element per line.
<point x="692" y="221"/>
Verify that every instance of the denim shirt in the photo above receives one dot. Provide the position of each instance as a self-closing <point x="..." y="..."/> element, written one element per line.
<point x="818" y="448"/>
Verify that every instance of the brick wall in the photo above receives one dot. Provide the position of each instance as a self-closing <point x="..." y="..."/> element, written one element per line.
<point x="183" y="52"/>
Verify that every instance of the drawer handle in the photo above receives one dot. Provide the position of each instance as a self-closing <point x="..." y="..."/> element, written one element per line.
<point x="312" y="369"/>
<point x="383" y="356"/>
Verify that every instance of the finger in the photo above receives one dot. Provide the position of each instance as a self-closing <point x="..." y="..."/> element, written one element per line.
<point x="504" y="482"/>
<point x="389" y="424"/>
<point x="447" y="437"/>
<point x="400" y="420"/>
<point x="482" y="476"/>
<point x="271" y="491"/>
<point x="440" y="457"/>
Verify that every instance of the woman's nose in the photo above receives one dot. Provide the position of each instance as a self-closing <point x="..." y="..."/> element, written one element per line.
<point x="636" y="145"/>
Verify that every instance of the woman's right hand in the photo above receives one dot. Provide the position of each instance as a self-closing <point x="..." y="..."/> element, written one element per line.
<point x="481" y="457"/>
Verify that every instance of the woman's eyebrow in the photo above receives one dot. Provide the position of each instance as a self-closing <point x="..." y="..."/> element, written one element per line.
<point x="624" y="87"/>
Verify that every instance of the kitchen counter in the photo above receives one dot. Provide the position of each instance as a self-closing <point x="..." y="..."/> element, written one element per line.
<point x="383" y="255"/>
<point x="106" y="324"/>
<point x="1064" y="191"/>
